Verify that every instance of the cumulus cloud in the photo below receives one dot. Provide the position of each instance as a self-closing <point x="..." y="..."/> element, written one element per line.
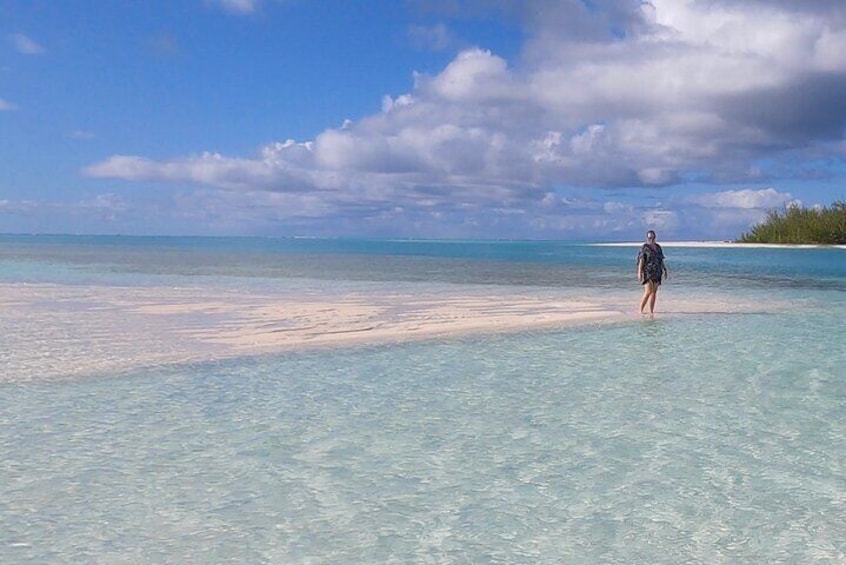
<point x="25" y="45"/>
<point x="763" y="199"/>
<point x="623" y="95"/>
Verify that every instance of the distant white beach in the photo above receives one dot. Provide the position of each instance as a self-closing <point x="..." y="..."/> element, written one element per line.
<point x="726" y="244"/>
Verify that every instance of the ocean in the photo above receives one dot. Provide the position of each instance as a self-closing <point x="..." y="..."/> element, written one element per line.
<point x="707" y="435"/>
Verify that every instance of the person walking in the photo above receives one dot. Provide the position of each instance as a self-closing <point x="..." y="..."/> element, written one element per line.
<point x="650" y="271"/>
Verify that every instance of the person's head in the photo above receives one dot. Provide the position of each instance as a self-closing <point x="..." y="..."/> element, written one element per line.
<point x="650" y="235"/>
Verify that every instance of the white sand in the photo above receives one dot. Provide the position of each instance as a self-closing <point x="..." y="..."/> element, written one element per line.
<point x="722" y="244"/>
<point x="54" y="330"/>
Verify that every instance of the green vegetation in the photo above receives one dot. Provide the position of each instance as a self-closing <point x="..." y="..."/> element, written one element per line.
<point x="797" y="225"/>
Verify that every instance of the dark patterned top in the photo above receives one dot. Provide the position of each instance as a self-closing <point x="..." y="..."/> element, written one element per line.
<point x="653" y="263"/>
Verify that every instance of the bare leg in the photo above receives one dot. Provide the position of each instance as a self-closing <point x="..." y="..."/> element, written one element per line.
<point x="652" y="298"/>
<point x="647" y="292"/>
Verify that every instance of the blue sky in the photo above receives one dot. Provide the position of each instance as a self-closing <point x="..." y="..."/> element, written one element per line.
<point x="532" y="119"/>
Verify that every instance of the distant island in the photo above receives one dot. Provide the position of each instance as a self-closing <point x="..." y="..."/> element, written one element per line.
<point x="798" y="225"/>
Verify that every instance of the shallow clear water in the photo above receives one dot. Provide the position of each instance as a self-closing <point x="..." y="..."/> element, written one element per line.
<point x="703" y="438"/>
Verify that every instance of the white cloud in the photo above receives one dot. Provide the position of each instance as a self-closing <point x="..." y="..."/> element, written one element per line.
<point x="6" y="106"/>
<point x="785" y="40"/>
<point x="763" y="199"/>
<point x="208" y="169"/>
<point x="476" y="76"/>
<point x="25" y="45"/>
<point x="678" y="88"/>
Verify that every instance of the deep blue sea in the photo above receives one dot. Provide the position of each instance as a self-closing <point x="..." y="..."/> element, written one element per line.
<point x="710" y="436"/>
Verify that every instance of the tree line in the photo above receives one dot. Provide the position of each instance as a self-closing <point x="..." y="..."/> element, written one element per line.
<point x="798" y="225"/>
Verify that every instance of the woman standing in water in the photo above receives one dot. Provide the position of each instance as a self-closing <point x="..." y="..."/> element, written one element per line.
<point x="650" y="270"/>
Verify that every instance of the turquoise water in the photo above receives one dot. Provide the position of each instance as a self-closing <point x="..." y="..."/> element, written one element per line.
<point x="693" y="438"/>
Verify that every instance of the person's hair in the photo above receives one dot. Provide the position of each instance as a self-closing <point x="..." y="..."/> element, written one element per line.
<point x="650" y="232"/>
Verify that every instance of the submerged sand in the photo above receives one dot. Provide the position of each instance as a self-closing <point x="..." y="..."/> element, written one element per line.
<point x="55" y="330"/>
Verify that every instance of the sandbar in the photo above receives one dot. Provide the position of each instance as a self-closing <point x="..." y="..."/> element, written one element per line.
<point x="53" y="331"/>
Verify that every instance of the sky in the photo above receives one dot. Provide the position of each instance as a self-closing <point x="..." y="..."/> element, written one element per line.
<point x="483" y="119"/>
